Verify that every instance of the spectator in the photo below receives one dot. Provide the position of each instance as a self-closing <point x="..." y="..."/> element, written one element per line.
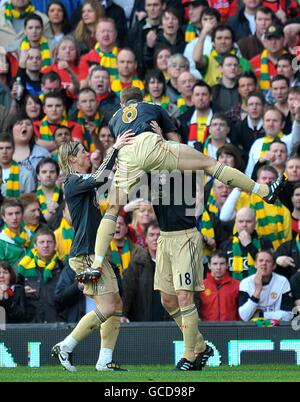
<point x="241" y="249"/>
<point x="54" y="108"/>
<point x="195" y="123"/>
<point x="177" y="64"/>
<point x="48" y="193"/>
<point x="15" y="179"/>
<point x="155" y="90"/>
<point x="61" y="134"/>
<point x="293" y="175"/>
<point x="126" y="66"/>
<point x="264" y="64"/>
<point x="193" y="27"/>
<point x="145" y="32"/>
<point x="296" y="210"/>
<point x="39" y="271"/>
<point x="30" y="63"/>
<point x="223" y="43"/>
<point x="27" y="152"/>
<point x="225" y="94"/>
<point x="265" y="294"/>
<point x="64" y="235"/>
<point x="105" y="52"/>
<point x="160" y="60"/>
<point x="33" y="28"/>
<point x="226" y="10"/>
<point x="141" y="217"/>
<point x="108" y="102"/>
<point x="243" y="23"/>
<point x="247" y="131"/>
<point x="247" y="84"/>
<point x="85" y="32"/>
<point x="219" y="300"/>
<point x="278" y="149"/>
<point x="12" y="295"/>
<point x="279" y="92"/>
<point x="106" y="138"/>
<point x="293" y="102"/>
<point x="209" y="16"/>
<point x="12" y="17"/>
<point x="288" y="258"/>
<point x="295" y="286"/>
<point x="32" y="216"/>
<point x="33" y="107"/>
<point x="59" y="22"/>
<point x="285" y="68"/>
<point x="140" y="301"/>
<point x="14" y="238"/>
<point x="251" y="46"/>
<point x="185" y="84"/>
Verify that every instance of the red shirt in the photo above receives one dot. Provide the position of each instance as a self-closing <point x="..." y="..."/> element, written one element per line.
<point x="66" y="80"/>
<point x="76" y="129"/>
<point x="256" y="63"/>
<point x="219" y="300"/>
<point x="85" y="63"/>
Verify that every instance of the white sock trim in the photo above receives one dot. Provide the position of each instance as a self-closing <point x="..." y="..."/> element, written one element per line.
<point x="69" y="344"/>
<point x="105" y="357"/>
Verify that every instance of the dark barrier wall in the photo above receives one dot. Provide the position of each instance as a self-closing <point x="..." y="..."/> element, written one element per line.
<point x="154" y="343"/>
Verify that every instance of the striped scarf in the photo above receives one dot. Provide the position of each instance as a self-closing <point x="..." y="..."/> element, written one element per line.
<point x="207" y="230"/>
<point x="117" y="86"/>
<point x="190" y="32"/>
<point x="42" y="198"/>
<point x="218" y="57"/>
<point x="109" y="61"/>
<point x="199" y="128"/>
<point x="265" y="79"/>
<point x="32" y="228"/>
<point x="238" y="258"/>
<point x="181" y="104"/>
<point x="205" y="146"/>
<point x="122" y="262"/>
<point x="298" y="242"/>
<point x="44" y="49"/>
<point x="22" y="239"/>
<point x="10" y="12"/>
<point x="67" y="235"/>
<point x="212" y="203"/>
<point x="88" y="140"/>
<point x="269" y="220"/>
<point x="13" y="184"/>
<point x="28" y="266"/>
<point x="164" y="101"/>
<point x="267" y="143"/>
<point x="45" y="130"/>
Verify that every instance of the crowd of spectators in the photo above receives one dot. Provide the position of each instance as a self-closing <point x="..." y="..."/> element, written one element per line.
<point x="226" y="72"/>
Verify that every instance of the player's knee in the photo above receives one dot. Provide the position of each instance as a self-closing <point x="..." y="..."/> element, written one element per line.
<point x="118" y="304"/>
<point x="107" y="310"/>
<point x="169" y="302"/>
<point x="185" y="298"/>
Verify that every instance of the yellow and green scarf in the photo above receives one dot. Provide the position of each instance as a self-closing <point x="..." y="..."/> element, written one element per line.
<point x="109" y="61"/>
<point x="10" y="12"/>
<point x="22" y="239"/>
<point x="88" y="140"/>
<point x="13" y="183"/>
<point x="238" y="258"/>
<point x="122" y="262"/>
<point x="45" y="130"/>
<point x="42" y="198"/>
<point x="164" y="101"/>
<point x="267" y="143"/>
<point x="181" y="104"/>
<point x="28" y="266"/>
<point x="32" y="228"/>
<point x="269" y="220"/>
<point x="264" y="79"/>
<point x="212" y="203"/>
<point x="44" y="49"/>
<point x="190" y="32"/>
<point x="116" y="85"/>
<point x="67" y="232"/>
<point x="218" y="57"/>
<point x="207" y="230"/>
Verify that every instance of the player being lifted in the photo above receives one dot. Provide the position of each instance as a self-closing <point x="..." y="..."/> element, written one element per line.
<point x="150" y="152"/>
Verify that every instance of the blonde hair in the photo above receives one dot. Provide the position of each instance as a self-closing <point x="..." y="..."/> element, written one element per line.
<point x="135" y="213"/>
<point x="66" y="150"/>
<point x="81" y="32"/>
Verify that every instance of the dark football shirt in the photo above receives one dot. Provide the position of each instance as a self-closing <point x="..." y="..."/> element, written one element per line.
<point x="137" y="117"/>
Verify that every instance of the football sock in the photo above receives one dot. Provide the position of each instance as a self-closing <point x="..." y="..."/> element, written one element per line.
<point x="105" y="234"/>
<point x="189" y="330"/>
<point x="109" y="332"/>
<point x="234" y="178"/>
<point x="88" y="324"/>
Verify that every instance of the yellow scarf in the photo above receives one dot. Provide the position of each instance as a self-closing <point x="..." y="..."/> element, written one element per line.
<point x="13" y="183"/>
<point x="64" y="236"/>
<point x="42" y="198"/>
<point x="109" y="60"/>
<point x="29" y="264"/>
<point x="45" y="130"/>
<point x="21" y="239"/>
<point x="122" y="262"/>
<point x="267" y="142"/>
<point x="44" y="49"/>
<point x="116" y="85"/>
<point x="10" y="12"/>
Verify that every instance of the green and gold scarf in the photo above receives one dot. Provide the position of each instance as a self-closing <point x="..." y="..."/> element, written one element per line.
<point x="13" y="183"/>
<point x="116" y="85"/>
<point x="44" y="49"/>
<point x="10" y="12"/>
<point x="29" y="264"/>
<point x="22" y="239"/>
<point x="109" y="61"/>
<point x="42" y="198"/>
<point x="122" y="262"/>
<point x="164" y="101"/>
<point x="88" y="140"/>
<point x="238" y="258"/>
<point x="45" y="131"/>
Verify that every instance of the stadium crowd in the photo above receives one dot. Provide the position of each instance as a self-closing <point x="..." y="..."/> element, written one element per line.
<point x="227" y="73"/>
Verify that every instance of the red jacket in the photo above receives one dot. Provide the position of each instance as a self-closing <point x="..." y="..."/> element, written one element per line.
<point x="219" y="303"/>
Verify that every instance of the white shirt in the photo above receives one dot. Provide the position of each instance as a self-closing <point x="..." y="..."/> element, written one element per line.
<point x="251" y="19"/>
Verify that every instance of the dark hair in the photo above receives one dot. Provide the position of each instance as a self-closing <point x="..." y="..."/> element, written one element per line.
<point x="265" y="10"/>
<point x="212" y="12"/>
<point x="201" y="83"/>
<point x="66" y="27"/>
<point x="6" y="137"/>
<point x="268" y="251"/>
<point x="227" y="56"/>
<point x="34" y="17"/>
<point x="43" y="162"/>
<point x="220" y="254"/>
<point x="16" y="118"/>
<point x="44" y="230"/>
<point x="27" y="199"/>
<point x="13" y="277"/>
<point x="274" y="109"/>
<point x="157" y="75"/>
<point x="281" y="77"/>
<point x="220" y="116"/>
<point x="157" y="51"/>
<point x="152" y="224"/>
<point x="10" y="202"/>
<point x="296" y="186"/>
<point x="97" y="67"/>
<point x="36" y="99"/>
<point x="221" y="28"/>
<point x="256" y="94"/>
<point x="232" y="150"/>
<point x="174" y="11"/>
<point x="55" y="95"/>
<point x="267" y="168"/>
<point x="248" y="74"/>
<point x="51" y="76"/>
<point x="286" y="56"/>
<point x="279" y="142"/>
<point x="86" y="90"/>
<point x="131" y="94"/>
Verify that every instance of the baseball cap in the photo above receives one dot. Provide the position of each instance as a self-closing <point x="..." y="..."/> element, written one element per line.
<point x="274" y="31"/>
<point x="196" y="3"/>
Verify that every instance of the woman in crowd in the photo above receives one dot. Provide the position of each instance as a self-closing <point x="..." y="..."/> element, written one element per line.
<point x="59" y="22"/>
